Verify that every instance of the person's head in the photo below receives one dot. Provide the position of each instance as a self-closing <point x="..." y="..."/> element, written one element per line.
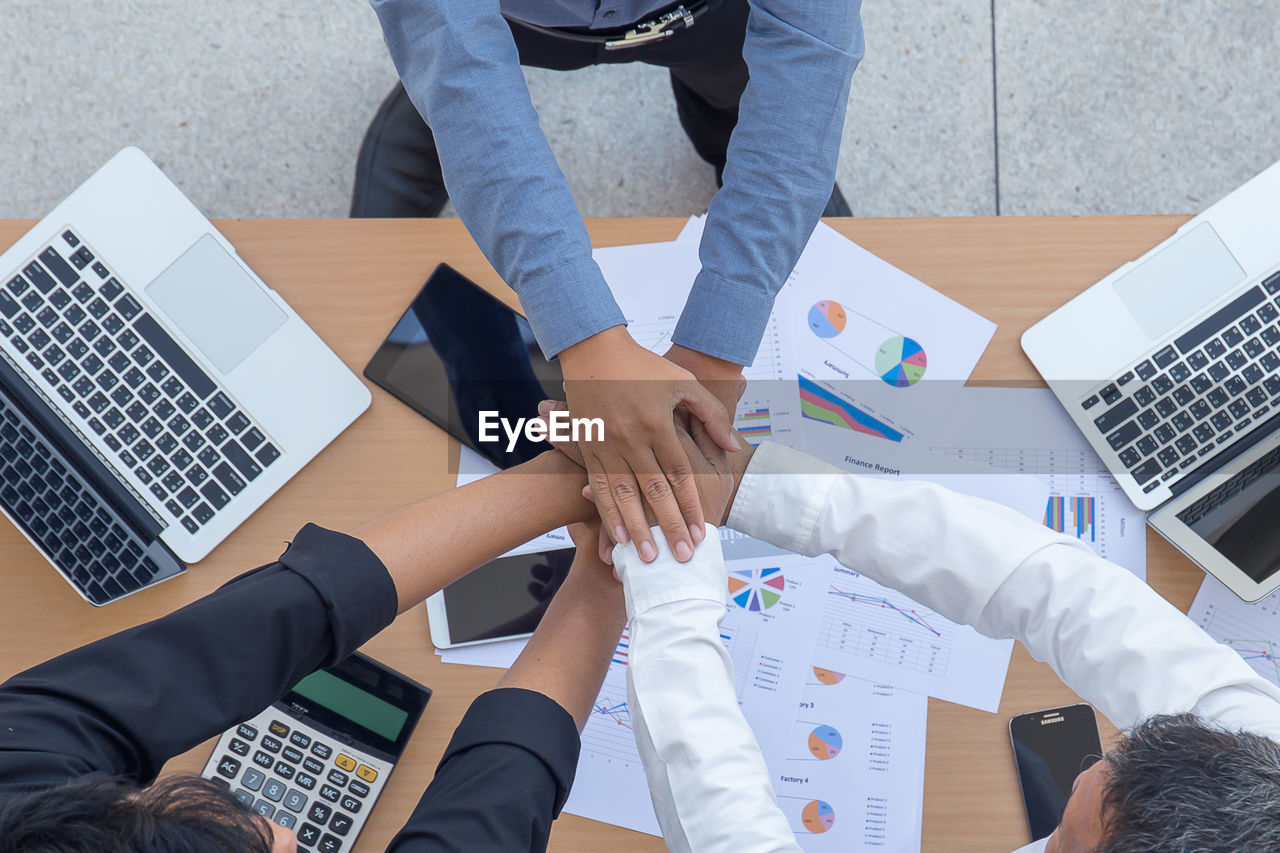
<point x="108" y="815"/>
<point x="1176" y="785"/>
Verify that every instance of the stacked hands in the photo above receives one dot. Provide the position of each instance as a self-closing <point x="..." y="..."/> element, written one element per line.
<point x="669" y="449"/>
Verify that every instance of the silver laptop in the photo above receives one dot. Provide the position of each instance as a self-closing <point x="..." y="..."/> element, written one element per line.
<point x="154" y="392"/>
<point x="1171" y="367"/>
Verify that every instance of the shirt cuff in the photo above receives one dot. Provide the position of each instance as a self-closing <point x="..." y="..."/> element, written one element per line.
<point x="723" y="319"/>
<point x="781" y="496"/>
<point x="665" y="580"/>
<point x="569" y="304"/>
<point x="359" y="596"/>
<point x="526" y="719"/>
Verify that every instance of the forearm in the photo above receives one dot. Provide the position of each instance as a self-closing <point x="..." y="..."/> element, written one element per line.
<point x="1110" y="637"/>
<point x="129" y="702"/>
<point x="780" y="170"/>
<point x="708" y="779"/>
<point x="568" y="655"/>
<point x="460" y="67"/>
<point x="429" y="544"/>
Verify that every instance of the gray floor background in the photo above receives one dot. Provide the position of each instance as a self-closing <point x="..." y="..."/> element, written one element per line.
<point x="961" y="107"/>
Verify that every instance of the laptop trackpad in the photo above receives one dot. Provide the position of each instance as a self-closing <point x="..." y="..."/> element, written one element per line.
<point x="216" y="304"/>
<point x="1174" y="284"/>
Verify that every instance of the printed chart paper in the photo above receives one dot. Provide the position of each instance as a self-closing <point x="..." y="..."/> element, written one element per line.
<point x="852" y="774"/>
<point x="878" y="351"/>
<point x="1025" y="430"/>
<point x="1253" y="630"/>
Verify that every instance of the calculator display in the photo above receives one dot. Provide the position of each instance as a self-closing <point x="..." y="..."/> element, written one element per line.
<point x="358" y="706"/>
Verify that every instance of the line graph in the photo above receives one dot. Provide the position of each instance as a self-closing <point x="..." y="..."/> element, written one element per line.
<point x="884" y="627"/>
<point x="1260" y="654"/>
<point x="1251" y="630"/>
<point x="911" y="614"/>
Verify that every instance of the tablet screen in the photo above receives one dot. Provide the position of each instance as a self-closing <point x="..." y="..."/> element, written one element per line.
<point x="458" y="351"/>
<point x="505" y="598"/>
<point x="1238" y="519"/>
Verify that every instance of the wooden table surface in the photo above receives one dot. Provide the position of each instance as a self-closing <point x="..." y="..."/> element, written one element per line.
<point x="351" y="279"/>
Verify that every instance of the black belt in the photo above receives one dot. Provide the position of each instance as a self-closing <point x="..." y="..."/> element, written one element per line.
<point x="663" y="25"/>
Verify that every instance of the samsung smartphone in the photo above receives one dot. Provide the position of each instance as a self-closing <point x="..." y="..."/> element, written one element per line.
<point x="457" y="351"/>
<point x="1051" y="748"/>
<point x="501" y="600"/>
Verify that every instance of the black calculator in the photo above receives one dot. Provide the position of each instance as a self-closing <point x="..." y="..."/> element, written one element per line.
<point x="316" y="760"/>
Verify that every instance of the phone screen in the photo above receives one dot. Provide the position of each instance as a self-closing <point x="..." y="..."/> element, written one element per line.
<point x="504" y="598"/>
<point x="1051" y="748"/>
<point x="458" y="351"/>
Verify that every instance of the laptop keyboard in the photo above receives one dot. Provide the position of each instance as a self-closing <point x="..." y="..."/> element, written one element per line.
<point x="75" y="527"/>
<point x="128" y="381"/>
<point x="1213" y="384"/>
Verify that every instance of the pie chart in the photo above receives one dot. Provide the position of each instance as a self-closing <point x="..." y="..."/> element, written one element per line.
<point x="826" y="318"/>
<point x="817" y="816"/>
<point x="825" y="743"/>
<point x="900" y="361"/>
<point x="756" y="589"/>
<point x="827" y="676"/>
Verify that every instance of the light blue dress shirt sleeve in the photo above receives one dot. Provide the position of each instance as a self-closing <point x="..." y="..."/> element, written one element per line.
<point x="460" y="66"/>
<point x="801" y="55"/>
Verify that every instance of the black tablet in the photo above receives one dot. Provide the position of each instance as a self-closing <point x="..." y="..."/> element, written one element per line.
<point x="459" y="351"/>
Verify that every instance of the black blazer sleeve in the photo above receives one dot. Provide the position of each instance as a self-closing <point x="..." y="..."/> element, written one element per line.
<point x="502" y="781"/>
<point x="126" y="704"/>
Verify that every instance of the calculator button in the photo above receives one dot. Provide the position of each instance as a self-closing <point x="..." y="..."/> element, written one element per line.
<point x="261" y="759"/>
<point x="284" y="771"/>
<point x="341" y="824"/>
<point x="295" y="800"/>
<point x="300" y="740"/>
<point x="337" y="777"/>
<point x="329" y="844"/>
<point x="245" y="797"/>
<point x="278" y="728"/>
<point x="312" y="766"/>
<point x="283" y="818"/>
<point x="238" y="746"/>
<point x="273" y="790"/>
<point x="319" y="813"/>
<point x="330" y="793"/>
<point x="346" y="762"/>
<point x="246" y="731"/>
<point x="264" y="808"/>
<point x="351" y="804"/>
<point x="360" y="789"/>
<point x="229" y="767"/>
<point x="292" y="755"/>
<point x="323" y="750"/>
<point x="270" y="744"/>
<point x="367" y="773"/>
<point x="308" y="834"/>
<point x="253" y="779"/>
<point x="302" y="780"/>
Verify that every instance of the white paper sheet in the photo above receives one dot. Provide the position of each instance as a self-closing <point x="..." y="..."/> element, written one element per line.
<point x="1026" y="430"/>
<point x="852" y="774"/>
<point x="1253" y="630"/>
<point x="872" y="632"/>
<point x="877" y="351"/>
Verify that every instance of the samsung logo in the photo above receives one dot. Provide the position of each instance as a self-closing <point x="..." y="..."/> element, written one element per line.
<point x="1051" y="720"/>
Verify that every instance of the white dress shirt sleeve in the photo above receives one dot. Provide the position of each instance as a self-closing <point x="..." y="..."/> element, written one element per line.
<point x="708" y="780"/>
<point x="1108" y="635"/>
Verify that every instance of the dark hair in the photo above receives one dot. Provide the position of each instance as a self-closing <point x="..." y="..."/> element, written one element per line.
<point x="180" y="814"/>
<point x="1178" y="785"/>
